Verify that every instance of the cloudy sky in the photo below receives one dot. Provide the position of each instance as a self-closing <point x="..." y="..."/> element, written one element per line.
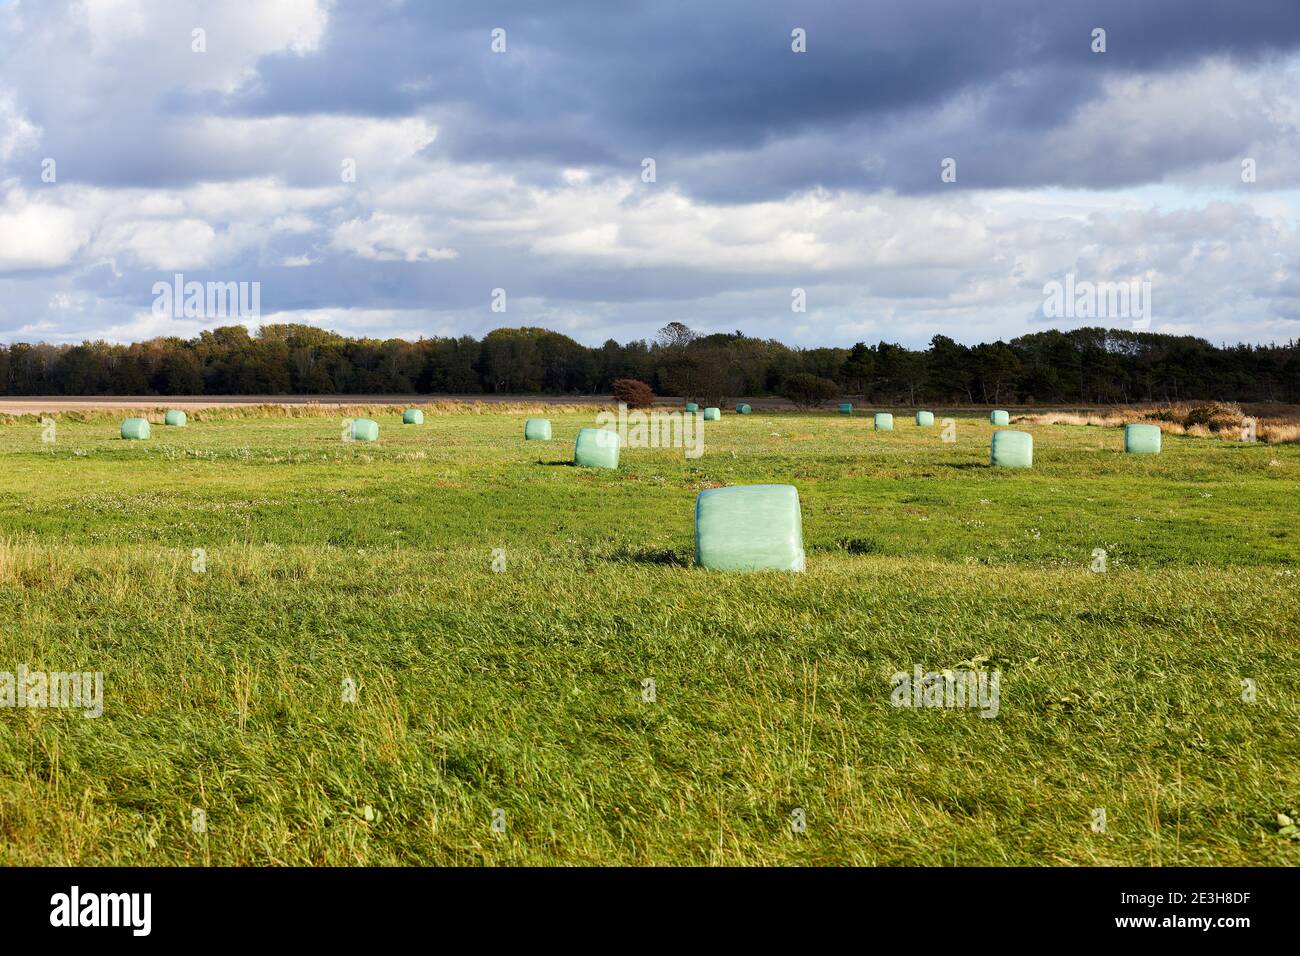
<point x="227" y="155"/>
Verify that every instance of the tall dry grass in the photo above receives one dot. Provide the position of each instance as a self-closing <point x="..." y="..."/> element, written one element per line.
<point x="1275" y="424"/>
<point x="155" y="413"/>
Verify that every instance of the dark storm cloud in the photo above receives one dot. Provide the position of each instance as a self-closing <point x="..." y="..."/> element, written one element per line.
<point x="607" y="84"/>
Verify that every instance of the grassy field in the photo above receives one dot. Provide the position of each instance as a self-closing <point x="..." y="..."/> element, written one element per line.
<point x="521" y="691"/>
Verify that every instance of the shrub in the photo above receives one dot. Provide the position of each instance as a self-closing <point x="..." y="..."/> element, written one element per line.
<point x="1217" y="416"/>
<point x="807" y="390"/>
<point x="633" y="393"/>
<point x="1167" y="413"/>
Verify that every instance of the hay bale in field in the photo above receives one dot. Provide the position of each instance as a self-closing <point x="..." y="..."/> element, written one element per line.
<point x="884" y="422"/>
<point x="175" y="417"/>
<point x="749" y="528"/>
<point x="135" y="428"/>
<point x="925" y="419"/>
<point x="846" y="408"/>
<point x="712" y="414"/>
<point x="1000" y="417"/>
<point x="692" y="407"/>
<point x="412" y="416"/>
<point x="1142" y="439"/>
<point x="743" y="409"/>
<point x="1012" y="449"/>
<point x="537" y="429"/>
<point x="596" y="448"/>
<point x="365" y="429"/>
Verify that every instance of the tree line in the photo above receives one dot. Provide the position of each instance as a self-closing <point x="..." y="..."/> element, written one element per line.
<point x="1087" y="366"/>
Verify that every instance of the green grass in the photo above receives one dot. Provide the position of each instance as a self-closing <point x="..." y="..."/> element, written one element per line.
<point x="522" y="690"/>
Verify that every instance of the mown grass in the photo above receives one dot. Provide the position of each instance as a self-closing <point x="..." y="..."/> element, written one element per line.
<point x="522" y="690"/>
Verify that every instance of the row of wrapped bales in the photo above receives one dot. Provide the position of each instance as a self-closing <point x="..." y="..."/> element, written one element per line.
<point x="137" y="429"/>
<point x="712" y="414"/>
<point x="737" y="528"/>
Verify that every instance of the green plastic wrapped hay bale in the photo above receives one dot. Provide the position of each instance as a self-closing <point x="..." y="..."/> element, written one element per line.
<point x="846" y="408"/>
<point x="1142" y="439"/>
<point x="925" y="419"/>
<point x="135" y="428"/>
<point x="692" y="407"/>
<point x="412" y="416"/>
<point x="884" y="422"/>
<point x="365" y="429"/>
<point x="1012" y="449"/>
<point x="712" y="414"/>
<point x="1000" y="417"/>
<point x="749" y="528"/>
<point x="175" y="417"/>
<point x="596" y="448"/>
<point x="743" y="409"/>
<point x="537" y="429"/>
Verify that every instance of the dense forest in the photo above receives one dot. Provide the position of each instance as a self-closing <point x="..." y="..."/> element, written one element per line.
<point x="1089" y="365"/>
